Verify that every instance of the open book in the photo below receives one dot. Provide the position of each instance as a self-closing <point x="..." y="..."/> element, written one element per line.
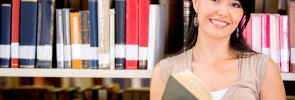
<point x="185" y="86"/>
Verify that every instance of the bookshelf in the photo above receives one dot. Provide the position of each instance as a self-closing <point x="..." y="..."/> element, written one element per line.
<point x="10" y="72"/>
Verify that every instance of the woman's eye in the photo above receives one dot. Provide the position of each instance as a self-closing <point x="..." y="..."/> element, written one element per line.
<point x="236" y="5"/>
<point x="215" y="0"/>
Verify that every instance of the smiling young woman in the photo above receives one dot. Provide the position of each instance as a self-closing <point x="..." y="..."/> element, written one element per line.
<point x="216" y="53"/>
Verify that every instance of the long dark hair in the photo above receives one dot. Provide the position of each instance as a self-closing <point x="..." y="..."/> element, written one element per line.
<point x="238" y="45"/>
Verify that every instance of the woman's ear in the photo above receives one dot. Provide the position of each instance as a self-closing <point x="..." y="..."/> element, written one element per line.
<point x="195" y="2"/>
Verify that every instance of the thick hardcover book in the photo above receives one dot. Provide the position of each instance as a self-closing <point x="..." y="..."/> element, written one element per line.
<point x="187" y="15"/>
<point x="132" y="34"/>
<point x="112" y="39"/>
<point x="59" y="40"/>
<point x="284" y="43"/>
<point x="157" y="28"/>
<point x="45" y="33"/>
<point x="28" y="33"/>
<point x="256" y="32"/>
<point x="93" y="29"/>
<point x="291" y="14"/>
<point x="75" y="40"/>
<point x="15" y="20"/>
<point x="104" y="34"/>
<point x="67" y="39"/>
<point x="120" y="34"/>
<point x="275" y="51"/>
<point x="143" y="24"/>
<point x="185" y="86"/>
<point x="86" y="51"/>
<point x="5" y="32"/>
<point x="265" y="34"/>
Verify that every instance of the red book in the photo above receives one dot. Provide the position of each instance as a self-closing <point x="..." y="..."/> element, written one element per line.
<point x="132" y="34"/>
<point x="144" y="6"/>
<point x="15" y="33"/>
<point x="265" y="36"/>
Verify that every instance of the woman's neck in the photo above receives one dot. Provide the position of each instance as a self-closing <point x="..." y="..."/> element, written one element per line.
<point x="210" y="49"/>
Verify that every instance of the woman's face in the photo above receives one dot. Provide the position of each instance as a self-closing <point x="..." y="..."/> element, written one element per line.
<point x="218" y="18"/>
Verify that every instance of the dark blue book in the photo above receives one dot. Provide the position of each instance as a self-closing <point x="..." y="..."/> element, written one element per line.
<point x="45" y="33"/>
<point x="5" y="33"/>
<point x="93" y="30"/>
<point x="28" y="33"/>
<point x="120" y="34"/>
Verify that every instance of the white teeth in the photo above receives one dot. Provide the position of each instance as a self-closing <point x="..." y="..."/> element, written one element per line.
<point x="219" y="23"/>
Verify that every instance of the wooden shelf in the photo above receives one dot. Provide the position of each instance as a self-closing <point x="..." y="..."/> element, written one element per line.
<point x="21" y="72"/>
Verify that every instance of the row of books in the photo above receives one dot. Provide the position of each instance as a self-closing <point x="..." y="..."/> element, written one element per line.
<point x="108" y="92"/>
<point x="269" y="34"/>
<point x="34" y="34"/>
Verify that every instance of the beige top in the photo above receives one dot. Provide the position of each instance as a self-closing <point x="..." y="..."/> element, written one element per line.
<point x="251" y="73"/>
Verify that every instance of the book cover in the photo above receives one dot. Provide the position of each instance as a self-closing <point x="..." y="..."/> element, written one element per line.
<point x="275" y="51"/>
<point x="28" y="33"/>
<point x="86" y="51"/>
<point x="284" y="43"/>
<point x="291" y="14"/>
<point x="15" y="22"/>
<point x="5" y="33"/>
<point x="256" y="32"/>
<point x="59" y="40"/>
<point x="120" y="34"/>
<point x="67" y="38"/>
<point x="93" y="30"/>
<point x="112" y="39"/>
<point x="265" y="34"/>
<point x="104" y="34"/>
<point x="75" y="40"/>
<point x="45" y="33"/>
<point x="157" y="28"/>
<point x="185" y="86"/>
<point x="132" y="34"/>
<point x="143" y="35"/>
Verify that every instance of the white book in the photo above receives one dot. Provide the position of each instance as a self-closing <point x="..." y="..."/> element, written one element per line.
<point x="275" y="38"/>
<point x="157" y="26"/>
<point x="112" y="39"/>
<point x="256" y="32"/>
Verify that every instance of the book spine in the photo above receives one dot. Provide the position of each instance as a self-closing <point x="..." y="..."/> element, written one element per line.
<point x="59" y="39"/>
<point x="275" y="38"/>
<point x="265" y="35"/>
<point x="291" y="13"/>
<point x="15" y="20"/>
<point x="45" y="33"/>
<point x="93" y="29"/>
<point x="28" y="33"/>
<point x="67" y="39"/>
<point x="153" y="24"/>
<point x="86" y="51"/>
<point x="187" y="13"/>
<point x="75" y="40"/>
<point x="5" y="32"/>
<point x="284" y="44"/>
<point x="132" y="34"/>
<point x="248" y="33"/>
<point x="112" y="39"/>
<point x="144" y="6"/>
<point x="256" y="32"/>
<point x="103" y="34"/>
<point x="120" y="34"/>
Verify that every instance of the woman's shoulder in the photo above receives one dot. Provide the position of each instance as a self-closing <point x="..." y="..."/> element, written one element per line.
<point x="178" y="58"/>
